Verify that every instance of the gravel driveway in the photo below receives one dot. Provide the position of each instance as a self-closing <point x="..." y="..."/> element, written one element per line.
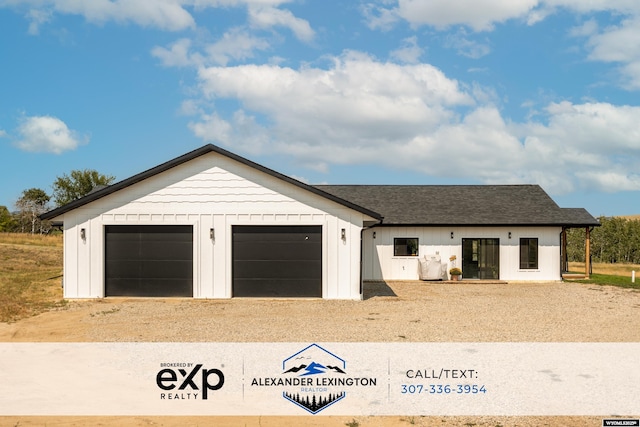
<point x="399" y="311"/>
<point x="390" y="312"/>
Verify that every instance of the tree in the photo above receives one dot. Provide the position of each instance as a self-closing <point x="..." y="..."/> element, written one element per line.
<point x="33" y="202"/>
<point x="617" y="240"/>
<point x="79" y="183"/>
<point x="7" y="222"/>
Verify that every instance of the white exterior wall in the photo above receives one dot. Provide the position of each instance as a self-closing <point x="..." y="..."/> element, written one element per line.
<point x="212" y="191"/>
<point x="379" y="263"/>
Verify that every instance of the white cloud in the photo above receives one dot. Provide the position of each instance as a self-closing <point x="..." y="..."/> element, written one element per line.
<point x="164" y="14"/>
<point x="480" y="15"/>
<point x="37" y="17"/>
<point x="356" y="110"/>
<point x="413" y="117"/>
<point x="236" y="3"/>
<point x="177" y="55"/>
<point x="595" y="126"/>
<point x="409" y="53"/>
<point x="47" y="134"/>
<point x="241" y="131"/>
<point x="480" y="146"/>
<point x="539" y="14"/>
<point x="619" y="44"/>
<point x="212" y="128"/>
<point x="483" y="15"/>
<point x="267" y="17"/>
<point x="387" y="97"/>
<point x="609" y="181"/>
<point x="235" y="44"/>
<point x="587" y="6"/>
<point x="591" y="140"/>
<point x="587" y="29"/>
<point x="169" y="15"/>
<point x="190" y="107"/>
<point x="3" y="133"/>
<point x="379" y="17"/>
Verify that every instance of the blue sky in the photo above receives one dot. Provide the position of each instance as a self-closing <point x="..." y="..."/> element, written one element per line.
<point x="338" y="92"/>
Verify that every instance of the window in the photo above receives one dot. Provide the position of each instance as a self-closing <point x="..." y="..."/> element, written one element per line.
<point x="403" y="246"/>
<point x="528" y="253"/>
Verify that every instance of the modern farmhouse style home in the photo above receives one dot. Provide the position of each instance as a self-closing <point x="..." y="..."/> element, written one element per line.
<point x="212" y="224"/>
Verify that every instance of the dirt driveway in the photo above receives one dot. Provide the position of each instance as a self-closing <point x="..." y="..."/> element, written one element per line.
<point x="391" y="312"/>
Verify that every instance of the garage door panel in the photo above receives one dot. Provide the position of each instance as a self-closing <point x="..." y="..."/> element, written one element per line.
<point x="150" y="261"/>
<point x="278" y="269"/>
<point x="279" y="250"/>
<point x="128" y="287"/>
<point x="121" y="249"/>
<point x="174" y="234"/>
<point x="165" y="250"/>
<point x="149" y="269"/>
<point x="276" y="288"/>
<point x="166" y="269"/>
<point x="277" y="237"/>
<point x="159" y="252"/>
<point x="277" y="261"/>
<point x="122" y="286"/>
<point x="278" y="232"/>
<point x="122" y="269"/>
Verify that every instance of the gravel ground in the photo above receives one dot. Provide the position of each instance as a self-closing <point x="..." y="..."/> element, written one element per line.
<point x="397" y="312"/>
<point x="391" y="312"/>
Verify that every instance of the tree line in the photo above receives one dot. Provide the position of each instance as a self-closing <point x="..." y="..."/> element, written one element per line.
<point x="35" y="201"/>
<point x="617" y="240"/>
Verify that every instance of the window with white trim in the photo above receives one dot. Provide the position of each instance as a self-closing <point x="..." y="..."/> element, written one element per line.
<point x="528" y="253"/>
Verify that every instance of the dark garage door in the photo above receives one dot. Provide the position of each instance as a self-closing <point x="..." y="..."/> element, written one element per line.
<point x="277" y="261"/>
<point x="149" y="260"/>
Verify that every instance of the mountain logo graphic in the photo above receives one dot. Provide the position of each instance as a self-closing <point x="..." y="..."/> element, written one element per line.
<point x="312" y="362"/>
<point x="313" y="369"/>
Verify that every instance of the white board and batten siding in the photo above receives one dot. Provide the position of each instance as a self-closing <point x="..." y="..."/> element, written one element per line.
<point x="212" y="192"/>
<point x="379" y="262"/>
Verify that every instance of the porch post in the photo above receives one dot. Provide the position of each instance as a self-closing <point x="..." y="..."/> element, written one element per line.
<point x="564" y="261"/>
<point x="587" y="253"/>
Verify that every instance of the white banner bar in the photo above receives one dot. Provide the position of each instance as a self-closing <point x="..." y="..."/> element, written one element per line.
<point x="511" y="379"/>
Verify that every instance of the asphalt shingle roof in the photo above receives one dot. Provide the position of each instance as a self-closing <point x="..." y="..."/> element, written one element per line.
<point x="401" y="204"/>
<point x="461" y="204"/>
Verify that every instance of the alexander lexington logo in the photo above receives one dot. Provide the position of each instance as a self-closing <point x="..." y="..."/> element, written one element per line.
<point x="314" y="378"/>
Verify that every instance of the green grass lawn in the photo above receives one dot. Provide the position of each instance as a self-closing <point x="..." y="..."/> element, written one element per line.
<point x="610" y="280"/>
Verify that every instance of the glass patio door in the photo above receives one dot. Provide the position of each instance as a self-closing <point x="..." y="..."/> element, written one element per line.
<point x="481" y="259"/>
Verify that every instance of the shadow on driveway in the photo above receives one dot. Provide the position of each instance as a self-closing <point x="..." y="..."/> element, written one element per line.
<point x="377" y="289"/>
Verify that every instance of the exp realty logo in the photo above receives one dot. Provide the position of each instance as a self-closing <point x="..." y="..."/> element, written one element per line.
<point x="193" y="382"/>
<point x="314" y="379"/>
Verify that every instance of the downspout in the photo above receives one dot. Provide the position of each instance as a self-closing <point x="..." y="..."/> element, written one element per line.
<point x="563" y="251"/>
<point x="565" y="255"/>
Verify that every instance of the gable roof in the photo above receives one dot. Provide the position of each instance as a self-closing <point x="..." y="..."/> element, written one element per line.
<point x="209" y="148"/>
<point x="448" y="205"/>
